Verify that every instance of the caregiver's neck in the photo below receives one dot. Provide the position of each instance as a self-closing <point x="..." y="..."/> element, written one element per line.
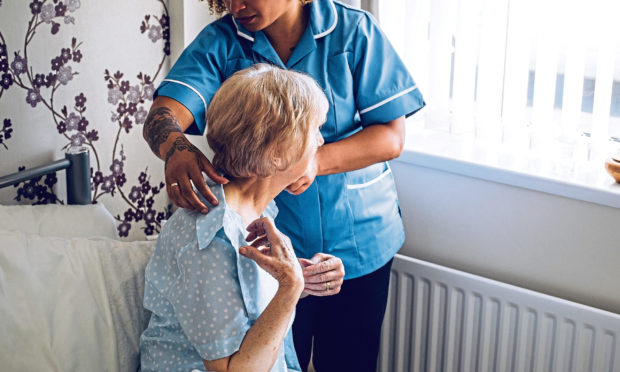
<point x="250" y="196"/>
<point x="284" y="34"/>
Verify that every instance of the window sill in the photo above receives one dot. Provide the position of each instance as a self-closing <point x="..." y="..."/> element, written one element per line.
<point x="584" y="181"/>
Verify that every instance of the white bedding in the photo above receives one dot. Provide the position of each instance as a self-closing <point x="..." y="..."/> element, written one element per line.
<point x="70" y="304"/>
<point x="59" y="220"/>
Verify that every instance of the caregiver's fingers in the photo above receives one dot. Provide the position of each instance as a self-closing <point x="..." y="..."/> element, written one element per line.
<point x="181" y="165"/>
<point x="208" y="168"/>
<point x="200" y="184"/>
<point x="174" y="193"/>
<point x="190" y="197"/>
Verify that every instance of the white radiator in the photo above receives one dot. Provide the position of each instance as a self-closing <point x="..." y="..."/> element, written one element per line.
<point x="439" y="319"/>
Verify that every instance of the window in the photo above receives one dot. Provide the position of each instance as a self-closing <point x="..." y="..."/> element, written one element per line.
<point x="537" y="75"/>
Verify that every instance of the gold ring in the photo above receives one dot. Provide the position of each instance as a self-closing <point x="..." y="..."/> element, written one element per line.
<point x="174" y="184"/>
<point x="327" y="286"/>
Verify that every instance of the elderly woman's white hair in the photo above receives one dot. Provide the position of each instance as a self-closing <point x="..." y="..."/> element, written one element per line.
<point x="262" y="120"/>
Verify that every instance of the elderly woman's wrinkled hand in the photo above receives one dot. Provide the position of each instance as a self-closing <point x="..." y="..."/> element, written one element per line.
<point x="273" y="251"/>
<point x="323" y="274"/>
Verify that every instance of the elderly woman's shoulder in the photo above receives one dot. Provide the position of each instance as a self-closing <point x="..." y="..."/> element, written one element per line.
<point x="181" y="223"/>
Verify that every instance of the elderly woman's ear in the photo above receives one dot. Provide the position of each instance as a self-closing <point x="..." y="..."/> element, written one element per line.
<point x="278" y="162"/>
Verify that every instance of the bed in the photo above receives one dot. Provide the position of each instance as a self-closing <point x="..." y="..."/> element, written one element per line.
<point x="70" y="291"/>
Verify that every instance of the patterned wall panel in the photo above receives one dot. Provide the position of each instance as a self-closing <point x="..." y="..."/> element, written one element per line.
<point x="82" y="72"/>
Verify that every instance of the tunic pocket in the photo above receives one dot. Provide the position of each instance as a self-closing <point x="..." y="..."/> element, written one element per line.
<point x="371" y="182"/>
<point x="372" y="194"/>
<point x="378" y="229"/>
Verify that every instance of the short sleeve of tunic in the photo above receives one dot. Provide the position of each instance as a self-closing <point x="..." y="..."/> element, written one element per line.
<point x="207" y="298"/>
<point x="196" y="76"/>
<point x="383" y="87"/>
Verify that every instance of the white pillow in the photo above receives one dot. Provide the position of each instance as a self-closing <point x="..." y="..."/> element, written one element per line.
<point x="59" y="220"/>
<point x="71" y="304"/>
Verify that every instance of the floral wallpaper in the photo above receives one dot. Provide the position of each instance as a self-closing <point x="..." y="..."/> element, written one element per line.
<point x="82" y="73"/>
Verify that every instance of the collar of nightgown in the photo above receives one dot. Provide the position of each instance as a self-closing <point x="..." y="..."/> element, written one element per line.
<point x="222" y="215"/>
<point x="257" y="286"/>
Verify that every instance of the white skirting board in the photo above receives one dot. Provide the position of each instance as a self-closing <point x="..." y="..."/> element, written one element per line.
<point x="443" y="320"/>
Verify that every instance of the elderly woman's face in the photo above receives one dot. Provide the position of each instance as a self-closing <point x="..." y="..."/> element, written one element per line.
<point x="301" y="167"/>
<point x="256" y="15"/>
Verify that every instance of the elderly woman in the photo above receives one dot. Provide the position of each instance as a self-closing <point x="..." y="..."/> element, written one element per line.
<point x="346" y="204"/>
<point x="217" y="301"/>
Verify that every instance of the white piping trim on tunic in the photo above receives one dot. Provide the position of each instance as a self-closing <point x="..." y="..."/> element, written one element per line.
<point x="373" y="181"/>
<point x="332" y="27"/>
<point x="192" y="88"/>
<point x="387" y="100"/>
<point x="247" y="37"/>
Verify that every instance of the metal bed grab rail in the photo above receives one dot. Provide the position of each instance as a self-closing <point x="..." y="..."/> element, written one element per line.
<point x="77" y="164"/>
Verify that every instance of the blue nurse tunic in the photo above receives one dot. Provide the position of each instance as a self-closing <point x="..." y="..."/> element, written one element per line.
<point x="353" y="215"/>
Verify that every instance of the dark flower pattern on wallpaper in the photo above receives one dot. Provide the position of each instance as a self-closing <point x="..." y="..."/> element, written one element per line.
<point x="39" y="190"/>
<point x="35" y="7"/>
<point x="19" y="64"/>
<point x="41" y="87"/>
<point x="6" y="81"/>
<point x="5" y="132"/>
<point x="142" y="198"/>
<point x="64" y="75"/>
<point x="130" y="100"/>
<point x="80" y="100"/>
<point x="158" y="29"/>
<point x="33" y="97"/>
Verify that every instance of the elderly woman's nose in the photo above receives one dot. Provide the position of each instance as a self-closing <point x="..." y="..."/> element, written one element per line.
<point x="234" y="6"/>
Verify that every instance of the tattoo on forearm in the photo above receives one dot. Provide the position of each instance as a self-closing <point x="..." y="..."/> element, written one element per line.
<point x="158" y="126"/>
<point x="181" y="144"/>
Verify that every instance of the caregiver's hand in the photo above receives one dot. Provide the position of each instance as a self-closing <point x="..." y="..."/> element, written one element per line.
<point x="184" y="162"/>
<point x="163" y="131"/>
<point x="277" y="256"/>
<point x="323" y="274"/>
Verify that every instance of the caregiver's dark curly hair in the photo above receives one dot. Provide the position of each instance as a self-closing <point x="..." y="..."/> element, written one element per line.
<point x="218" y="6"/>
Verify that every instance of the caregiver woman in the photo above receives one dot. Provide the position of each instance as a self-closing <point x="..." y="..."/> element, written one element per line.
<point x="346" y="205"/>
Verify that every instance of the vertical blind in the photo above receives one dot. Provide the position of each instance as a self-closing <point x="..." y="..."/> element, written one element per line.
<point x="530" y="73"/>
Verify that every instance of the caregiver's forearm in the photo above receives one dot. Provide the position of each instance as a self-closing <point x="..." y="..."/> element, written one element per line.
<point x="259" y="349"/>
<point x="165" y="123"/>
<point x="373" y="144"/>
